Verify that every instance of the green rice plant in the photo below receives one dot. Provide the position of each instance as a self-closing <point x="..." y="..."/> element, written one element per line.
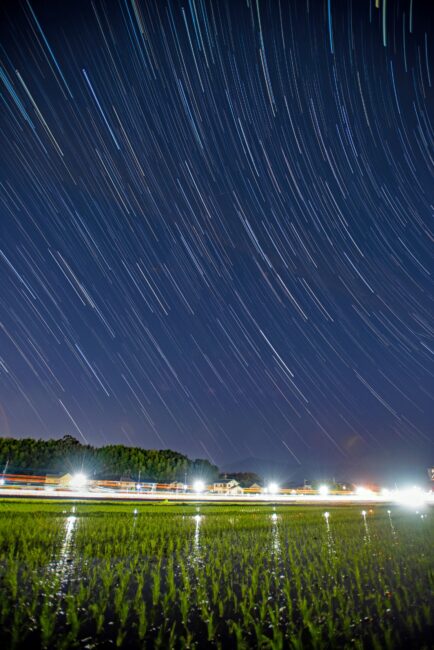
<point x="47" y="623"/>
<point x="142" y="621"/>
<point x="156" y="584"/>
<point x="72" y="615"/>
<point x="184" y="608"/>
<point x="97" y="611"/>
<point x="236" y="578"/>
<point x="120" y="637"/>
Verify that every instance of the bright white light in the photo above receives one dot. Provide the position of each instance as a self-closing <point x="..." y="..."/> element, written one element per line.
<point x="363" y="513"/>
<point x="385" y="492"/>
<point x="138" y="486"/>
<point x="2" y="481"/>
<point x="198" y="486"/>
<point x="362" y="491"/>
<point x="273" y="488"/>
<point x="78" y="480"/>
<point x="326" y="515"/>
<point x="410" y="496"/>
<point x="323" y="490"/>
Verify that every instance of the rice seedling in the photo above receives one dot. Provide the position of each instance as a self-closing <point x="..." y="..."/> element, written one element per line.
<point x="227" y="577"/>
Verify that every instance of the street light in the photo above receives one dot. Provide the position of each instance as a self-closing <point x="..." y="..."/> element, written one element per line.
<point x="273" y="488"/>
<point x="323" y="490"/>
<point x="362" y="491"/>
<point x="198" y="486"/>
<point x="78" y="480"/>
<point x="413" y="497"/>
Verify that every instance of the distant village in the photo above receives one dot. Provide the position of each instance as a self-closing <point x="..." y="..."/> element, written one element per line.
<point x="228" y="485"/>
<point x="223" y="485"/>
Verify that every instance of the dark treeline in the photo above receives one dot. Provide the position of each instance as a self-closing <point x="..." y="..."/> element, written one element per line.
<point x="29" y="455"/>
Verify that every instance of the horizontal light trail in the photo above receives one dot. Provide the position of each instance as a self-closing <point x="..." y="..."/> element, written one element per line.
<point x="312" y="499"/>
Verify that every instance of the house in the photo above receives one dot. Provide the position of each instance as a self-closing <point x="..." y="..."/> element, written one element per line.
<point x="255" y="487"/>
<point x="126" y="483"/>
<point x="63" y="481"/>
<point x="176" y="486"/>
<point x="227" y="486"/>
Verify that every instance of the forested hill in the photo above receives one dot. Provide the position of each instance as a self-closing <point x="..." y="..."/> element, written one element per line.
<point x="29" y="455"/>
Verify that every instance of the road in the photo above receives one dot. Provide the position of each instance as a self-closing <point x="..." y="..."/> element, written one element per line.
<point x="410" y="499"/>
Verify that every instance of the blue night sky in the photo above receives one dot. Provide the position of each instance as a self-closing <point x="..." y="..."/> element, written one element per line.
<point x="216" y="227"/>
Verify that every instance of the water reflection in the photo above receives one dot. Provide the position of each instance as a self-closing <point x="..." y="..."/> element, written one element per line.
<point x="330" y="540"/>
<point x="275" y="535"/>
<point x="62" y="565"/>
<point x="197" y="553"/>
<point x="392" y="527"/>
<point x="278" y="540"/>
<point x="367" y="536"/>
<point x="66" y="550"/>
<point x="133" y="529"/>
<point x="198" y="520"/>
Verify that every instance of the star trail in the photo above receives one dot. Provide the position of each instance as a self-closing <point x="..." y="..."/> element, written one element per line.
<point x="216" y="226"/>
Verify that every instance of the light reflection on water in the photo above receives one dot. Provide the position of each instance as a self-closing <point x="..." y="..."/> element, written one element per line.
<point x="330" y="541"/>
<point x="367" y="536"/>
<point x="65" y="555"/>
<point x="277" y="567"/>
<point x="62" y="566"/>
<point x="135" y="513"/>
<point x="275" y="535"/>
<point x="392" y="527"/>
<point x="198" y="520"/>
<point x="197" y="554"/>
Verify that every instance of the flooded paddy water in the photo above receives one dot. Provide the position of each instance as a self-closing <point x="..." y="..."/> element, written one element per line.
<point x="98" y="575"/>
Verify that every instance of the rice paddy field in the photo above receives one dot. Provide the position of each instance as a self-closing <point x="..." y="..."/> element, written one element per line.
<point x="98" y="575"/>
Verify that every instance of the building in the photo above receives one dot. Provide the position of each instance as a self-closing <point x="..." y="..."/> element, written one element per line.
<point x="176" y="486"/>
<point x="227" y="486"/>
<point x="126" y="483"/>
<point x="62" y="481"/>
<point x="255" y="487"/>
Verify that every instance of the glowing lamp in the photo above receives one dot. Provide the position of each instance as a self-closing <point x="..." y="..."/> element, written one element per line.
<point x="198" y="486"/>
<point x="78" y="480"/>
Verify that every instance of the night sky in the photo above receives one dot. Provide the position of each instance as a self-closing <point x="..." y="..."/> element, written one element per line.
<point x="216" y="226"/>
